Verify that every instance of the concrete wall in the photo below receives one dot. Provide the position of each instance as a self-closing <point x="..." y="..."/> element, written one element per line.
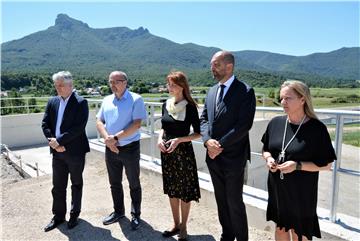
<point x="25" y="130"/>
<point x="257" y="172"/>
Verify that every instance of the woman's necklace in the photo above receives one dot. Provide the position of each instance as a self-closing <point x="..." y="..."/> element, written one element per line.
<point x="281" y="157"/>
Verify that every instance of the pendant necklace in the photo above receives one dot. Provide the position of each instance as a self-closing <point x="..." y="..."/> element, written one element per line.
<point x="281" y="157"/>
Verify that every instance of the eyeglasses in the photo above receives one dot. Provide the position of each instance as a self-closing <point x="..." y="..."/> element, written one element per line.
<point x="112" y="82"/>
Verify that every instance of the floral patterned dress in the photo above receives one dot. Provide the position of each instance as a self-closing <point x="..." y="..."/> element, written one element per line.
<point x="180" y="178"/>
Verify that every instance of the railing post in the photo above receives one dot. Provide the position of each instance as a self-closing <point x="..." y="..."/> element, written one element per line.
<point x="37" y="169"/>
<point x="148" y="119"/>
<point x="152" y="132"/>
<point x="96" y="111"/>
<point x="27" y="105"/>
<point x="21" y="168"/>
<point x="336" y="166"/>
<point x="263" y="101"/>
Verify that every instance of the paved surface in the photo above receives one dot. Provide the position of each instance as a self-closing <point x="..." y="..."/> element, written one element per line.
<point x="349" y="188"/>
<point x="30" y="202"/>
<point x="26" y="209"/>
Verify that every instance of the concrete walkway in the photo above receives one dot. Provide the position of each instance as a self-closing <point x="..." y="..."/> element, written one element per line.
<point x="26" y="209"/>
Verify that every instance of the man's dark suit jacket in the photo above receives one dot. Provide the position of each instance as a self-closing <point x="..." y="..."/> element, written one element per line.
<point x="230" y="125"/>
<point x="73" y="136"/>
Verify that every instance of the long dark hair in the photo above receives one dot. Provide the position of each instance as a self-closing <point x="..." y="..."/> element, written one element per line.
<point x="180" y="79"/>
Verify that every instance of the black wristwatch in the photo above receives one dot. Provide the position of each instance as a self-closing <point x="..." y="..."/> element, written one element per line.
<point x="116" y="138"/>
<point x="298" y="166"/>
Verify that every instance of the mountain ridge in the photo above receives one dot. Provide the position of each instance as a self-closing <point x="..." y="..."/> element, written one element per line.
<point x="72" y="44"/>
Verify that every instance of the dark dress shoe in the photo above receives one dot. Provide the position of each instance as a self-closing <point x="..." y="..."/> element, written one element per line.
<point x="112" y="218"/>
<point x="170" y="233"/>
<point x="73" y="221"/>
<point x="135" y="223"/>
<point x="53" y="224"/>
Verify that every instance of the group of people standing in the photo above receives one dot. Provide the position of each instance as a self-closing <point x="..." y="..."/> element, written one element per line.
<point x="296" y="147"/>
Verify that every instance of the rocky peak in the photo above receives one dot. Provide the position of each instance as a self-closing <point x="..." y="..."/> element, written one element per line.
<point x="65" y="22"/>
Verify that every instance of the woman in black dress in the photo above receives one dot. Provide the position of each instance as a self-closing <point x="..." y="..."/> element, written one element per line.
<point x="180" y="179"/>
<point x="296" y="147"/>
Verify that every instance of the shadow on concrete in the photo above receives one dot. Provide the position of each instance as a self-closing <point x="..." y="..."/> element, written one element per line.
<point x="85" y="231"/>
<point x="201" y="238"/>
<point x="147" y="233"/>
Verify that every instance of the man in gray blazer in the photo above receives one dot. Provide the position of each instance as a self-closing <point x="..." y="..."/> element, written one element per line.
<point x="225" y="123"/>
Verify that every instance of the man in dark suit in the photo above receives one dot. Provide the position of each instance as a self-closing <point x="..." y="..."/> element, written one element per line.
<point x="225" y="123"/>
<point x="64" y="125"/>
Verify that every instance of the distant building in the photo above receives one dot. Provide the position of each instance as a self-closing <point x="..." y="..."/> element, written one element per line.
<point x="95" y="93"/>
<point x="162" y="89"/>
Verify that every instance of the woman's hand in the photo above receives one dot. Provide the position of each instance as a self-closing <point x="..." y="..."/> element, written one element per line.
<point x="271" y="164"/>
<point x="287" y="167"/>
<point x="172" y="144"/>
<point x="161" y="145"/>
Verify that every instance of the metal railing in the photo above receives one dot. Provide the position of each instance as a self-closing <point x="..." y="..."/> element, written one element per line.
<point x="18" y="163"/>
<point x="23" y="103"/>
<point x="336" y="117"/>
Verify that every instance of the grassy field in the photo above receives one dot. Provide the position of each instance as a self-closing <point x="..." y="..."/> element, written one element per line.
<point x="351" y="137"/>
<point x="321" y="97"/>
<point x="351" y="133"/>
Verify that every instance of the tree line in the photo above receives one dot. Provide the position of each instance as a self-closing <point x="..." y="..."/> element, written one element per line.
<point x="40" y="84"/>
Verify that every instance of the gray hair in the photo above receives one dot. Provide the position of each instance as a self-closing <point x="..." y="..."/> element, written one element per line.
<point x="64" y="76"/>
<point x="123" y="74"/>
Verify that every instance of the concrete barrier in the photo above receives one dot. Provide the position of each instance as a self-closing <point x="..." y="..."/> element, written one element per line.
<point x="25" y="129"/>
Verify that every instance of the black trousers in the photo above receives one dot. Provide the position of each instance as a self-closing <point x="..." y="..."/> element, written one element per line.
<point x="228" y="188"/>
<point x="64" y="164"/>
<point x="128" y="157"/>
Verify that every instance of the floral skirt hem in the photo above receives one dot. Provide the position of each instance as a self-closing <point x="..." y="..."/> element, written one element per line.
<point x="180" y="178"/>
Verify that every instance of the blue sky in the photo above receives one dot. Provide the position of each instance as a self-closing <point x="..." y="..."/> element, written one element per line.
<point x="294" y="28"/>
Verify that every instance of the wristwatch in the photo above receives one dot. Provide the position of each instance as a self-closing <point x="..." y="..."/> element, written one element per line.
<point x="298" y="166"/>
<point x="116" y="138"/>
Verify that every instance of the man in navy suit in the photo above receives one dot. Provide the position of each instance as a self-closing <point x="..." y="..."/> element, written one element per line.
<point x="225" y="123"/>
<point x="64" y="125"/>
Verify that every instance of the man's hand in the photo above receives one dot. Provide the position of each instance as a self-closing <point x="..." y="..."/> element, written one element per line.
<point x="214" y="148"/>
<point x="60" y="149"/>
<point x="110" y="142"/>
<point x="53" y="143"/>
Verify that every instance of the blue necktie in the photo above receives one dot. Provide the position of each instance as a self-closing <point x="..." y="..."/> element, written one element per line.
<point x="219" y="99"/>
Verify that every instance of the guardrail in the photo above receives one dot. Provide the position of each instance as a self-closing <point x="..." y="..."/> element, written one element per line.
<point x="23" y="105"/>
<point x="336" y="117"/>
<point x="17" y="162"/>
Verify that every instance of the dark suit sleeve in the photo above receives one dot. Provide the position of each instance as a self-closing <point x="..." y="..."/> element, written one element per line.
<point x="245" y="120"/>
<point x="46" y="125"/>
<point x="78" y="126"/>
<point x="204" y="123"/>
